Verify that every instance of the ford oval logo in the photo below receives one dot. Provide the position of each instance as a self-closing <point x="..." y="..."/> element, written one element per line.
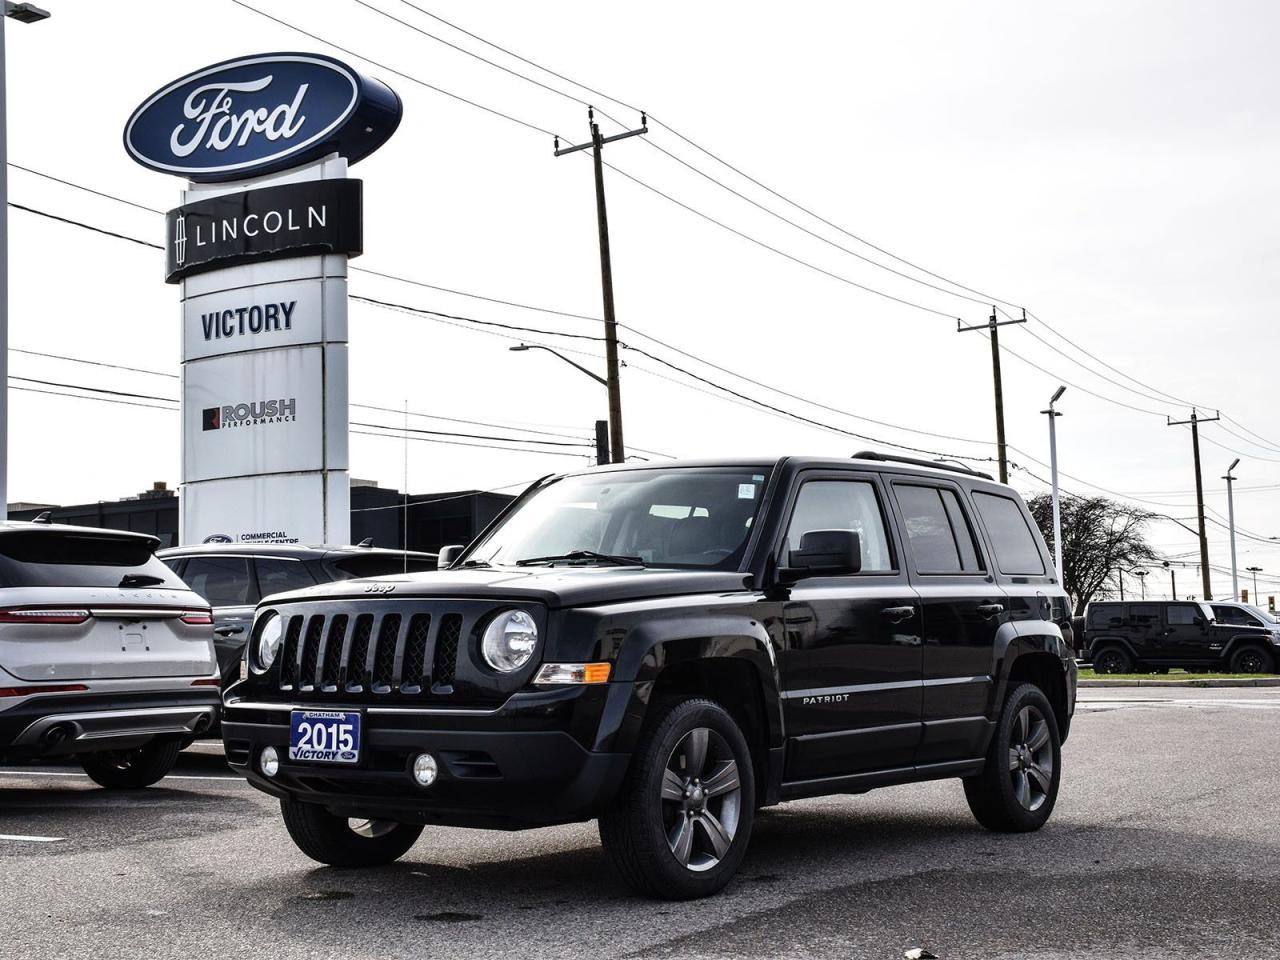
<point x="261" y="114"/>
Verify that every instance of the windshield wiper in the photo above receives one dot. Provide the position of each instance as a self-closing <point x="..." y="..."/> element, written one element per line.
<point x="140" y="580"/>
<point x="583" y="555"/>
<point x="475" y="563"/>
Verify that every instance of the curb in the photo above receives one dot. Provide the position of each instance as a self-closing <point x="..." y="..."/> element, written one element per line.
<point x="1261" y="682"/>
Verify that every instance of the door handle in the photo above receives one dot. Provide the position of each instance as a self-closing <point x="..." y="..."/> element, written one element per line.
<point x="898" y="614"/>
<point x="228" y="631"/>
<point x="989" y="610"/>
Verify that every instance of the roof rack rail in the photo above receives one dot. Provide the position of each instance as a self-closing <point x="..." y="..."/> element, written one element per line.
<point x="953" y="466"/>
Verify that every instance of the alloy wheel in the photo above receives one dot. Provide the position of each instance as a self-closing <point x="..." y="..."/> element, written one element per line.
<point x="1251" y="661"/>
<point x="701" y="799"/>
<point x="372" y="829"/>
<point x="1031" y="758"/>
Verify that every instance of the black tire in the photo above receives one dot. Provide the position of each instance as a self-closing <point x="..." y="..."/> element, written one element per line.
<point x="131" y="769"/>
<point x="1112" y="659"/>
<point x="334" y="840"/>
<point x="1014" y="793"/>
<point x="1252" y="660"/>
<point x="679" y="827"/>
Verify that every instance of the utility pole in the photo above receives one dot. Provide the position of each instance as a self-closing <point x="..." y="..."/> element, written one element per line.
<point x="1255" y="571"/>
<point x="596" y="144"/>
<point x="1231" y="519"/>
<point x="1120" y="574"/>
<point x="23" y="13"/>
<point x="1053" y="473"/>
<point x="992" y="327"/>
<point x="1195" y="422"/>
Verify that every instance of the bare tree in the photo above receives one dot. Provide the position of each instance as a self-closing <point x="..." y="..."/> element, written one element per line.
<point x="1100" y="538"/>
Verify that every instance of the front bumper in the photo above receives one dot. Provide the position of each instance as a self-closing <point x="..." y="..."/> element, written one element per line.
<point x="527" y="763"/>
<point x="59" y="725"/>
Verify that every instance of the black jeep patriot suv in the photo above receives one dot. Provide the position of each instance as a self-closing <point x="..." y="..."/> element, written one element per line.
<point x="668" y="648"/>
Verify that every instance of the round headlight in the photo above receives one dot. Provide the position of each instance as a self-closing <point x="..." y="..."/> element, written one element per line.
<point x="509" y="641"/>
<point x="269" y="638"/>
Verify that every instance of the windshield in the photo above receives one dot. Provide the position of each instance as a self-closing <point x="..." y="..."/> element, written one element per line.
<point x="684" y="517"/>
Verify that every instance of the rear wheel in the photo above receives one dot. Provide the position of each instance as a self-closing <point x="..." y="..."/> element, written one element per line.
<point x="345" y="841"/>
<point x="1112" y="660"/>
<point x="1016" y="791"/>
<point x="680" y="825"/>
<point x="131" y="769"/>
<point x="1252" y="660"/>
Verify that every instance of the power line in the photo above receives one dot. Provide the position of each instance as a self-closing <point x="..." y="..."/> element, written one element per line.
<point x="79" y="186"/>
<point x="86" y="226"/>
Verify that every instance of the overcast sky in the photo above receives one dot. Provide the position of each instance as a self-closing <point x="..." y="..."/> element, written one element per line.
<point x="1111" y="166"/>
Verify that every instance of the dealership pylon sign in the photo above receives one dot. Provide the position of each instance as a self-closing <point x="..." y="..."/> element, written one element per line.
<point x="259" y="246"/>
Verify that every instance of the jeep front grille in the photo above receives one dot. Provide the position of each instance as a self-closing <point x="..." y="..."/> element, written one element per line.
<point x="365" y="653"/>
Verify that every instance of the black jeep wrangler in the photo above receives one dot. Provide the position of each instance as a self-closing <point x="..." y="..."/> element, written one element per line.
<point x="1154" y="635"/>
<point x="667" y="648"/>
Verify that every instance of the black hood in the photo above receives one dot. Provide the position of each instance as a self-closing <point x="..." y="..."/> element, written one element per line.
<point x="558" y="586"/>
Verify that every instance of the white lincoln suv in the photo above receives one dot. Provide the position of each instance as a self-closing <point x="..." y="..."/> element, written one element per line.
<point x="105" y="655"/>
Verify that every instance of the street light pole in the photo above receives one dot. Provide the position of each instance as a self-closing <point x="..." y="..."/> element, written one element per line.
<point x="602" y="428"/>
<point x="23" y="13"/>
<point x="1142" y="579"/>
<point x="1255" y="571"/>
<point x="1231" y="519"/>
<point x="1053" y="474"/>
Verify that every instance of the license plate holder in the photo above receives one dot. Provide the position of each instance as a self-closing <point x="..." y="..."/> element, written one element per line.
<point x="325" y="736"/>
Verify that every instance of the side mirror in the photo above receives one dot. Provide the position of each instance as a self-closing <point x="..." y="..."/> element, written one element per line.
<point x="824" y="553"/>
<point x="448" y="554"/>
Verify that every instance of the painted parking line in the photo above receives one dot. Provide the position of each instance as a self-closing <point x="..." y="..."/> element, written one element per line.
<point x="26" y="839"/>
<point x="68" y="773"/>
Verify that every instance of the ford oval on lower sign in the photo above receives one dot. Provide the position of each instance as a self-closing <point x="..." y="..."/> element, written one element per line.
<point x="261" y="114"/>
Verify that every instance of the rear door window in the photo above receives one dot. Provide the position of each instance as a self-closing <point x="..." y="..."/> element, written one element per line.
<point x="1017" y="553"/>
<point x="1183" y="614"/>
<point x="938" y="530"/>
<point x="280" y="576"/>
<point x="1144" y="617"/>
<point x="222" y="581"/>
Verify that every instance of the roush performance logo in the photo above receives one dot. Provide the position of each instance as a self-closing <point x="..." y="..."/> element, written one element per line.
<point x="229" y="416"/>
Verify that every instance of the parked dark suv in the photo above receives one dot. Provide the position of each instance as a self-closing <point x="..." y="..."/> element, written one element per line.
<point x="1121" y="637"/>
<point x="234" y="577"/>
<point x="668" y="648"/>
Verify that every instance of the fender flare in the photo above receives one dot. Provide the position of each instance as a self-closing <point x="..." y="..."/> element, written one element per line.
<point x="1248" y="640"/>
<point x="663" y="641"/>
<point x="1113" y="642"/>
<point x="1016" y="638"/>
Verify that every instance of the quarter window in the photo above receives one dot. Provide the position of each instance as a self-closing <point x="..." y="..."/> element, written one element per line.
<point x="843" y="505"/>
<point x="1017" y="553"/>
<point x="941" y="537"/>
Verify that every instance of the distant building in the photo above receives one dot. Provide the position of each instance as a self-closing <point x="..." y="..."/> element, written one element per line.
<point x="435" y="519"/>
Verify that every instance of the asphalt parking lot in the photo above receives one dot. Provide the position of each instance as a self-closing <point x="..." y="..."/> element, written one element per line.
<point x="1163" y="844"/>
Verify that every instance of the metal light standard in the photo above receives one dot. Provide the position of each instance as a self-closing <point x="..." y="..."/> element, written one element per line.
<point x="602" y="427"/>
<point x="23" y="13"/>
<point x="1053" y="474"/>
<point x="1255" y="571"/>
<point x="1173" y="581"/>
<point x="1142" y="579"/>
<point x="1231" y="519"/>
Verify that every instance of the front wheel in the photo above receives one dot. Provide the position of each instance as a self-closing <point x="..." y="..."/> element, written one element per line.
<point x="1017" y="789"/>
<point x="131" y="769"/>
<point x="343" y="841"/>
<point x="680" y="825"/>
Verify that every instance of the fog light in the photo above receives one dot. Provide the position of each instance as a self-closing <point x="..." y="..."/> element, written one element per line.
<point x="425" y="769"/>
<point x="269" y="761"/>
